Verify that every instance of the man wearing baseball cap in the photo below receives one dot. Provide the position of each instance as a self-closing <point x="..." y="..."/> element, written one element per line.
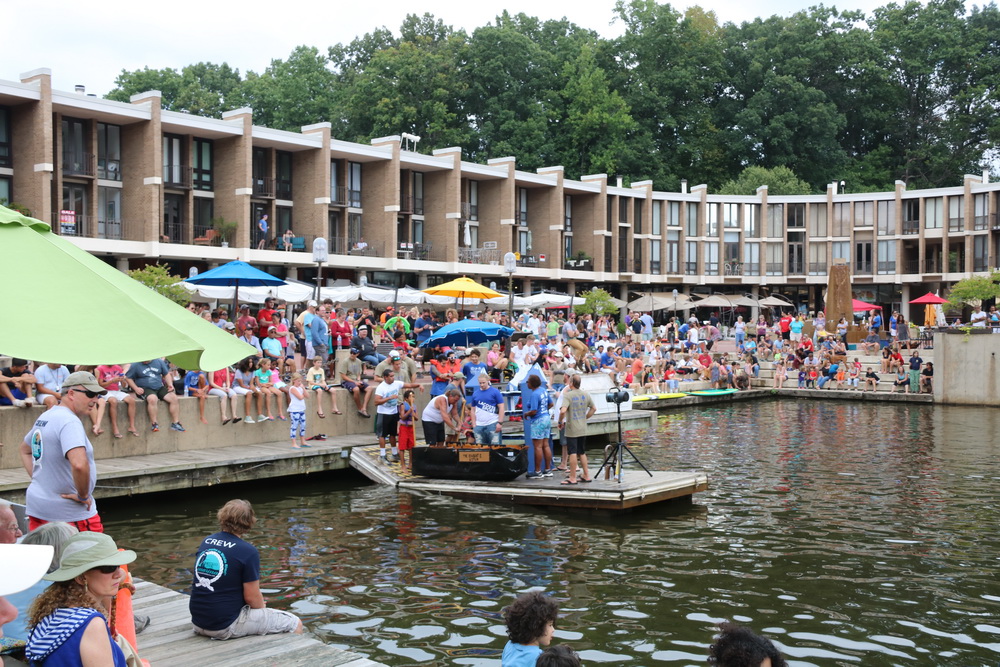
<point x="59" y="459"/>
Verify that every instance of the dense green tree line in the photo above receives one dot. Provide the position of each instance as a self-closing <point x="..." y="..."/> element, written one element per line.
<point x="910" y="92"/>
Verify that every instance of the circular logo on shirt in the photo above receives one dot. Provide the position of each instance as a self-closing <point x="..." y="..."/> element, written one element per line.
<point x="209" y="568"/>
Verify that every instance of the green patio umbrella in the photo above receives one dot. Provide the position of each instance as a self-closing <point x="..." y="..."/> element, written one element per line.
<point x="62" y="304"/>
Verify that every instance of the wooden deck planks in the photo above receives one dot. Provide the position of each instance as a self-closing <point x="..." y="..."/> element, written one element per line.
<point x="636" y="488"/>
<point x="169" y="640"/>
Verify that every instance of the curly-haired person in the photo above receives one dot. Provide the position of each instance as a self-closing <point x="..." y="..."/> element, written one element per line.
<point x="530" y="625"/>
<point x="737" y="646"/>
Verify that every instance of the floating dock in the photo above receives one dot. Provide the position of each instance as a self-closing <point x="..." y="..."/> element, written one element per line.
<point x="635" y="490"/>
<point x="169" y="640"/>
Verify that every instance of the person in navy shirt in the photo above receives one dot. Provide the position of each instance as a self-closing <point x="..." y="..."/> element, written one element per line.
<point x="472" y="369"/>
<point x="226" y="600"/>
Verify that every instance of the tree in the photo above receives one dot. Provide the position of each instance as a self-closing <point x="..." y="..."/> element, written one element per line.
<point x="597" y="126"/>
<point x="292" y="93"/>
<point x="158" y="278"/>
<point x="974" y="290"/>
<point x="203" y="89"/>
<point x="596" y="302"/>
<point x="668" y="67"/>
<point x="413" y="87"/>
<point x="779" y="181"/>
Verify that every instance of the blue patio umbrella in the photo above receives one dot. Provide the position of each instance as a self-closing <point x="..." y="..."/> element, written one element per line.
<point x="467" y="332"/>
<point x="235" y="274"/>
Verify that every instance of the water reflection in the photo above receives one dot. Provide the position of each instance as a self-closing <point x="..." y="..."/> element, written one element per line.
<point x="852" y="534"/>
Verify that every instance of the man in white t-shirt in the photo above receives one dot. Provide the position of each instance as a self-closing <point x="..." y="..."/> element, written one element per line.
<point x="978" y="318"/>
<point x="534" y="325"/>
<point x="50" y="379"/>
<point x="59" y="459"/>
<point x="387" y="395"/>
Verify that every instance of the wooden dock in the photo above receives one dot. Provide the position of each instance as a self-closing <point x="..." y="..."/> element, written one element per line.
<point x="635" y="490"/>
<point x="169" y="640"/>
<point x="150" y="473"/>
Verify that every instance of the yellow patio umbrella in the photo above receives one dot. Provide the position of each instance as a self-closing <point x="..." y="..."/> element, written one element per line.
<point x="463" y="288"/>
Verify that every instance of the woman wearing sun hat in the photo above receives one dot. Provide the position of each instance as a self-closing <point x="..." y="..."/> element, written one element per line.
<point x="68" y="621"/>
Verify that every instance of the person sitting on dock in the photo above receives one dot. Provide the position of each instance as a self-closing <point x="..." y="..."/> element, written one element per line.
<point x="530" y="620"/>
<point x="349" y="371"/>
<point x="226" y="601"/>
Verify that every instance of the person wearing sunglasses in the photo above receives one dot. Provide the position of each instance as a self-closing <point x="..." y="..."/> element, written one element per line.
<point x="69" y="619"/>
<point x="59" y="459"/>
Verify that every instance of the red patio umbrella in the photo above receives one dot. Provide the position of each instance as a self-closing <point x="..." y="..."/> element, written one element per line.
<point x="929" y="298"/>
<point x="857" y="305"/>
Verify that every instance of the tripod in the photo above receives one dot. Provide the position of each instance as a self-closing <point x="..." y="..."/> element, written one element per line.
<point x="617" y="453"/>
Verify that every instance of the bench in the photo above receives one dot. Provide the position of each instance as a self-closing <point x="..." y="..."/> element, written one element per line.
<point x="298" y="244"/>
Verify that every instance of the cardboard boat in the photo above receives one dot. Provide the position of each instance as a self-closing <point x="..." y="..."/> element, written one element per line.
<point x="488" y="463"/>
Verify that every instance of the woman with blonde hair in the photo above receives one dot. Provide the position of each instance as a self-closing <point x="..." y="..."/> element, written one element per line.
<point x="68" y="620"/>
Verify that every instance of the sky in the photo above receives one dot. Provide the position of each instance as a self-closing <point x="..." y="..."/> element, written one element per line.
<point x="91" y="43"/>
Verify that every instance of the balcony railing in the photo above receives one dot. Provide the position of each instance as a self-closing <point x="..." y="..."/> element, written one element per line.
<point x="637" y="266"/>
<point x="690" y="268"/>
<point x="796" y="269"/>
<point x="470" y="211"/>
<point x="174" y="232"/>
<point x="339" y="245"/>
<point x="911" y="266"/>
<point x="73" y="224"/>
<point x="578" y="264"/>
<point x="817" y="268"/>
<point x="654" y="267"/>
<point x="711" y="268"/>
<point x="263" y="187"/>
<point x="354" y="198"/>
<point x="109" y="170"/>
<point x="110" y="229"/>
<point x="672" y="268"/>
<point x="911" y="226"/>
<point x="995" y="220"/>
<point x="733" y="268"/>
<point x="177" y="176"/>
<point x="956" y="224"/>
<point x="527" y="260"/>
<point x="623" y="265"/>
<point x="863" y="268"/>
<point x="886" y="267"/>
<point x="338" y="196"/>
<point x="774" y="268"/>
<point x="405" y="204"/>
<point x="980" y="223"/>
<point x="79" y="164"/>
<point x="931" y="265"/>
<point x="479" y="256"/>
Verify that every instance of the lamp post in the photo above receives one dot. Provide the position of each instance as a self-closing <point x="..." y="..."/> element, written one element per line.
<point x="319" y="256"/>
<point x="510" y="266"/>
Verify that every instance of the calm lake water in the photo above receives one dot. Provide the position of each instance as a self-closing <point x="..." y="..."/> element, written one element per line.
<point x="851" y="534"/>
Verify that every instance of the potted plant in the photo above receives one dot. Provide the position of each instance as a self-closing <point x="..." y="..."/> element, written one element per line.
<point x="226" y="230"/>
<point x="582" y="259"/>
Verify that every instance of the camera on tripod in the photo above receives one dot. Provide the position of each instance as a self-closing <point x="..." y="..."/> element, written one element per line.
<point x="617" y="396"/>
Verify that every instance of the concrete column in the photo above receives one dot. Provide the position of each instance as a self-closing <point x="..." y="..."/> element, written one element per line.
<point x="421" y="281"/>
<point x="755" y="310"/>
<point x="292" y="273"/>
<point x="904" y="307"/>
<point x="122" y="264"/>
